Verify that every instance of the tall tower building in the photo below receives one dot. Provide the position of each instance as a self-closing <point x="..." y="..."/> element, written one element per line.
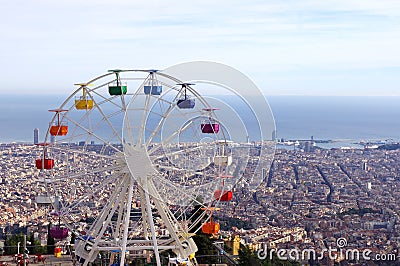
<point x="36" y="136"/>
<point x="274" y="135"/>
<point x="364" y="165"/>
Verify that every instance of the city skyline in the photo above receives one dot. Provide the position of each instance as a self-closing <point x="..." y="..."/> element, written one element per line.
<point x="286" y="48"/>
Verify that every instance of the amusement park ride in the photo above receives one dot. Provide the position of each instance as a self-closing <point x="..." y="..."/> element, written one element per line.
<point x="135" y="171"/>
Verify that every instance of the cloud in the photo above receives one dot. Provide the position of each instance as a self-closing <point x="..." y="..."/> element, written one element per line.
<point x="73" y="40"/>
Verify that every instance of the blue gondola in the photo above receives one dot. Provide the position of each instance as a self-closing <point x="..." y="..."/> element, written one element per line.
<point x="153" y="89"/>
<point x="152" y="86"/>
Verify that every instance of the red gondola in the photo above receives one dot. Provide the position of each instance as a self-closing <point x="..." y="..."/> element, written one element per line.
<point x="46" y="164"/>
<point x="225" y="196"/>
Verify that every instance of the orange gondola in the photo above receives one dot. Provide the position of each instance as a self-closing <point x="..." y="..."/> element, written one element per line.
<point x="58" y="128"/>
<point x="210" y="228"/>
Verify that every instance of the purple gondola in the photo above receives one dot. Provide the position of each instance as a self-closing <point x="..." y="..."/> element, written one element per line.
<point x="186" y="103"/>
<point x="210" y="128"/>
<point x="58" y="232"/>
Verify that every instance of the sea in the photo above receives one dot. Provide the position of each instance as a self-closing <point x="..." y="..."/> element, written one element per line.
<point x="346" y="121"/>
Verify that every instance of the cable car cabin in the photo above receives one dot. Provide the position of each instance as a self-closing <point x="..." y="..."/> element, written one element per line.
<point x="117" y="89"/>
<point x="186" y="103"/>
<point x="153" y="90"/>
<point x="46" y="164"/>
<point x="222" y="160"/>
<point x="227" y="196"/>
<point x="58" y="130"/>
<point x="83" y="103"/>
<point x="210" y="228"/>
<point x="58" y="232"/>
<point x="210" y="128"/>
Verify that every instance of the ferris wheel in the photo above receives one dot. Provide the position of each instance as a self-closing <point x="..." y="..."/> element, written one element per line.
<point x="136" y="160"/>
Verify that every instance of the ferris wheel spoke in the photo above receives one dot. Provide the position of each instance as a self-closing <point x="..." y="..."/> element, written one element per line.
<point x="145" y="225"/>
<point x="71" y="151"/>
<point x="144" y="115"/>
<point x="163" y="213"/>
<point x="144" y="109"/>
<point x="100" y="225"/>
<point x="127" y="219"/>
<point x="169" y="138"/>
<point x="86" y="173"/>
<point x="91" y="133"/>
<point x="172" y="153"/>
<point x="123" y="103"/>
<point x="116" y="134"/>
<point x="175" y="189"/>
<point x="173" y="168"/>
<point x="107" y="100"/>
<point x="198" y="221"/>
<point x="160" y="123"/>
<point x="94" y="191"/>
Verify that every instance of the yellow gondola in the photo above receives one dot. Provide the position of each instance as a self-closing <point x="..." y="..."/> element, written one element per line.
<point x="83" y="102"/>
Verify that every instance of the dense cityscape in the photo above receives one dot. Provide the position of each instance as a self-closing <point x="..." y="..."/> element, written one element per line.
<point x="310" y="199"/>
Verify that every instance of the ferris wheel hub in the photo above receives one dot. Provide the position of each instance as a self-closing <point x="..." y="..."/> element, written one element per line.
<point x="139" y="163"/>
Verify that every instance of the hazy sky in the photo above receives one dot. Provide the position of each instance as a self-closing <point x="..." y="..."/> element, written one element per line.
<point x="315" y="47"/>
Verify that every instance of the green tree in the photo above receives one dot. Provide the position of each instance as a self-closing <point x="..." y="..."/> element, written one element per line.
<point x="35" y="246"/>
<point x="8" y="245"/>
<point x="205" y="248"/>
<point x="11" y="244"/>
<point x="247" y="257"/>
